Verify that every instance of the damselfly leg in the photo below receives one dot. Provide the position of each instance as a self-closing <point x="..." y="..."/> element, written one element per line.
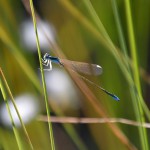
<point x="47" y="63"/>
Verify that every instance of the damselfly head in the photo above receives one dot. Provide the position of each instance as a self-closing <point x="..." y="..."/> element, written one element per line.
<point x="45" y="57"/>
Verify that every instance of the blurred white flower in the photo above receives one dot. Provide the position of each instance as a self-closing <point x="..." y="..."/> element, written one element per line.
<point x="61" y="89"/>
<point x="28" y="108"/>
<point x="28" y="35"/>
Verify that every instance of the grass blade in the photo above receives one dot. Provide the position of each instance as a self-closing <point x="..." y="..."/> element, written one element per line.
<point x="43" y="78"/>
<point x="139" y="110"/>
<point x="13" y="101"/>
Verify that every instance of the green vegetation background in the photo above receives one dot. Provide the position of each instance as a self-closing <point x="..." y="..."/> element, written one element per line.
<point x="81" y="37"/>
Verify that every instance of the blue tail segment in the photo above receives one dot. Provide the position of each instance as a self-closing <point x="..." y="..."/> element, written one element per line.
<point x="112" y="95"/>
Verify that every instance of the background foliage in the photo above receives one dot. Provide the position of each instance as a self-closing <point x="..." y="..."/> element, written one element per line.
<point x="98" y="32"/>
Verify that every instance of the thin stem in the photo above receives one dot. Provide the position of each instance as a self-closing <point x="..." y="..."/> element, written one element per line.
<point x="11" y="118"/>
<point x="43" y="78"/>
<point x="75" y="120"/>
<point x="138" y="106"/>
<point x="13" y="101"/>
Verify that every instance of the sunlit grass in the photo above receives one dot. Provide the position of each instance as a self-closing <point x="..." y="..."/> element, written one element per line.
<point x="138" y="105"/>
<point x="18" y="139"/>
<point x="43" y="78"/>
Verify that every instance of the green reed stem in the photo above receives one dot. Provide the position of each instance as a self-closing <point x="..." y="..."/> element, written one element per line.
<point x="11" y="118"/>
<point x="138" y="106"/>
<point x="13" y="101"/>
<point x="43" y="78"/>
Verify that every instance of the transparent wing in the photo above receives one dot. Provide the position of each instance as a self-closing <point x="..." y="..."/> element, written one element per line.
<point x="85" y="68"/>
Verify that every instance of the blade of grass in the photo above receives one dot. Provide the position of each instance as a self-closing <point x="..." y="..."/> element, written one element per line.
<point x="6" y="38"/>
<point x="139" y="110"/>
<point x="97" y="21"/>
<point x="123" y="47"/>
<point x="106" y="43"/>
<point x="123" y="65"/>
<point x="43" y="78"/>
<point x="119" y="57"/>
<point x="102" y="29"/>
<point x="13" y="101"/>
<point x="18" y="140"/>
<point x="120" y="33"/>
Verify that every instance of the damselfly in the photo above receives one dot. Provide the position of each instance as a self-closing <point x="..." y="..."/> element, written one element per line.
<point x="89" y="69"/>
